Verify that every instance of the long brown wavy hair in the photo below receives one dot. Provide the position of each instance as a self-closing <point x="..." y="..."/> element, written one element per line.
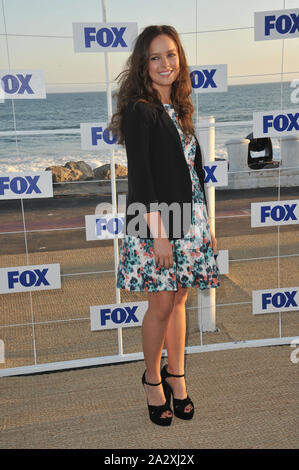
<point x="136" y="84"/>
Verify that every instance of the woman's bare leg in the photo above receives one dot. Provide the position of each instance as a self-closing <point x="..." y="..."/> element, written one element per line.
<point x="153" y="336"/>
<point x="175" y="344"/>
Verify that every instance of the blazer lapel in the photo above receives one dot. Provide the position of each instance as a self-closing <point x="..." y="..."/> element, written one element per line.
<point x="170" y="126"/>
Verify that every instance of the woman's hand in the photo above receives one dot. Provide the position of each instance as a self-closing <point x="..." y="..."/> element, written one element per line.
<point x="163" y="253"/>
<point x="214" y="242"/>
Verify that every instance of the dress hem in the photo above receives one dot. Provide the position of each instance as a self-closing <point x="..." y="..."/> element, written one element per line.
<point x="170" y="290"/>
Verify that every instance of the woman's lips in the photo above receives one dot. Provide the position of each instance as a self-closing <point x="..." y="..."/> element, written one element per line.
<point x="165" y="74"/>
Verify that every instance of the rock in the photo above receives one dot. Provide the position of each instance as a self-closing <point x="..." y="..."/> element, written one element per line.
<point x="83" y="167"/>
<point x="81" y="171"/>
<point x="103" y="172"/>
<point x="61" y="174"/>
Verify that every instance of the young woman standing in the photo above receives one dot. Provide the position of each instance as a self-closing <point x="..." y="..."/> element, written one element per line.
<point x="154" y="121"/>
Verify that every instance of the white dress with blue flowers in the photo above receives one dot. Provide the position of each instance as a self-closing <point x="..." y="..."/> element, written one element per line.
<point x="193" y="259"/>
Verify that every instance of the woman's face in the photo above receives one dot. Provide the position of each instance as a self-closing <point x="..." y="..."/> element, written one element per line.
<point x="164" y="64"/>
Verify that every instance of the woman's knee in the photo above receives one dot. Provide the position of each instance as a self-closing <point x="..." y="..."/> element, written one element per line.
<point x="181" y="295"/>
<point x="161" y="304"/>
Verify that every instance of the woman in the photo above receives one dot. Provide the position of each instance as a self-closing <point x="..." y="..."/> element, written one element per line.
<point x="154" y="121"/>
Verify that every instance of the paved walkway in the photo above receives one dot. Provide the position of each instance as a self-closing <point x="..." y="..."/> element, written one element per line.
<point x="246" y="398"/>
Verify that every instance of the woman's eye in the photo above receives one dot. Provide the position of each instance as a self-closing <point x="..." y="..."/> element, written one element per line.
<point x="171" y="54"/>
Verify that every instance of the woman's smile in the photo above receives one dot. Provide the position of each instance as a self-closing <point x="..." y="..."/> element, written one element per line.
<point x="165" y="74"/>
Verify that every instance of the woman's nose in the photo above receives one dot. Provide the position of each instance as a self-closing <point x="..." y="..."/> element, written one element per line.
<point x="165" y="61"/>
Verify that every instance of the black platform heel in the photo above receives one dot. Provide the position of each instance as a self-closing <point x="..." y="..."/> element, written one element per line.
<point x="155" y="412"/>
<point x="178" y="405"/>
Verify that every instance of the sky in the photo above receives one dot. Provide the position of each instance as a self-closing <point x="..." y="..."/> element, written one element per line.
<point x="39" y="36"/>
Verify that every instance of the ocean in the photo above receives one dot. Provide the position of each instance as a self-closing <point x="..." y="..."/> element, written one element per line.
<point x="68" y="110"/>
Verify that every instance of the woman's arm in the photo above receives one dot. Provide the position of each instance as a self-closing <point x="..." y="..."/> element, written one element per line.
<point x="162" y="246"/>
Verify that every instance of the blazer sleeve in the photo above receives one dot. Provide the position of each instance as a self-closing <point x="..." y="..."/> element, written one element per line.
<point x="136" y="124"/>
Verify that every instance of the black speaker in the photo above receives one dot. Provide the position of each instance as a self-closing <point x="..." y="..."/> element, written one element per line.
<point x="260" y="153"/>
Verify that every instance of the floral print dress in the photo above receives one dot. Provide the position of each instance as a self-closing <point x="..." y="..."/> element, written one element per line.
<point x="193" y="259"/>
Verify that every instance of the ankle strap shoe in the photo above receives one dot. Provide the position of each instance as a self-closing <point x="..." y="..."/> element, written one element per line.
<point x="155" y="412"/>
<point x="179" y="405"/>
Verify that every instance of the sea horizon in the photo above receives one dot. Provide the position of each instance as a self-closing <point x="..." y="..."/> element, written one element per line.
<point x="66" y="110"/>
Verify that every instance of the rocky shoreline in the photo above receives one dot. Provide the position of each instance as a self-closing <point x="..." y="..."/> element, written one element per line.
<point x="79" y="179"/>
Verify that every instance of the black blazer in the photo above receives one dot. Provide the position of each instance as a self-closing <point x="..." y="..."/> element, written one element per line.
<point x="157" y="168"/>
